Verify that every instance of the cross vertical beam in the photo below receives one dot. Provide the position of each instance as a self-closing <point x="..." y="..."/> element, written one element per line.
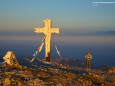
<point x="47" y="30"/>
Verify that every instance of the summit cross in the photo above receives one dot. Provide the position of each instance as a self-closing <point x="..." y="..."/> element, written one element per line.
<point x="47" y="30"/>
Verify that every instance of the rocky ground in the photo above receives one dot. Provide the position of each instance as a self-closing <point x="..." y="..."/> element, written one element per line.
<point x="41" y="74"/>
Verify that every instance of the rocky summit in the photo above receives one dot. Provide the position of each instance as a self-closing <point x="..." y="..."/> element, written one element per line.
<point x="38" y="73"/>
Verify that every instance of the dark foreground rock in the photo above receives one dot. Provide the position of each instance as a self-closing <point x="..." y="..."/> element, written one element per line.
<point x="42" y="74"/>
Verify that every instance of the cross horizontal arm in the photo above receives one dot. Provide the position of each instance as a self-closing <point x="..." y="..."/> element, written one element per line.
<point x="54" y="30"/>
<point x="39" y="30"/>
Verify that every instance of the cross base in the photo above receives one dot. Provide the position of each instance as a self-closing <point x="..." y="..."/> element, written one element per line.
<point x="48" y="58"/>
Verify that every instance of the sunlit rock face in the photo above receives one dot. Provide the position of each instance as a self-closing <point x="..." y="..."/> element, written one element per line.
<point x="111" y="70"/>
<point x="9" y="58"/>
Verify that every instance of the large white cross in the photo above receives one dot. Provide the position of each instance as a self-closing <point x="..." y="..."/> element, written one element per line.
<point x="47" y="30"/>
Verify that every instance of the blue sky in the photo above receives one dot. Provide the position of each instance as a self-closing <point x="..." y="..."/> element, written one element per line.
<point x="83" y="25"/>
<point x="66" y="14"/>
